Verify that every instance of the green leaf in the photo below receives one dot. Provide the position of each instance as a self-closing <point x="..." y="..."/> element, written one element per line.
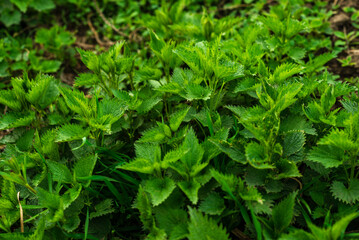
<point x="103" y="208"/>
<point x="84" y="167"/>
<point x="173" y="221"/>
<point x="328" y="156"/>
<point x="345" y="194"/>
<point x="10" y="17"/>
<point x="202" y="227"/>
<point x="213" y="204"/>
<point x="48" y="200"/>
<point x="60" y="172"/>
<point x="42" y="5"/>
<point x="142" y="203"/>
<point x="9" y="99"/>
<point x="156" y="43"/>
<point x="44" y="91"/>
<point x="177" y="118"/>
<point x="70" y="132"/>
<point x="190" y="188"/>
<point x="140" y="165"/>
<point x="298" y="235"/>
<point x="293" y="143"/>
<point x="256" y="156"/>
<point x="152" y="135"/>
<point x="197" y="92"/>
<point x="340" y="226"/>
<point x="282" y="213"/>
<point x="339" y="139"/>
<point x="86" y="79"/>
<point x="21" y="4"/>
<point x="195" y="152"/>
<point x="159" y="189"/>
<point x="16" y="119"/>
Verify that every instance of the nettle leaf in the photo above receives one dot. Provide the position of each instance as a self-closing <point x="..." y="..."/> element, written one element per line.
<point x="48" y="200"/>
<point x="139" y="165"/>
<point x="213" y="204"/>
<point x="228" y="182"/>
<point x="284" y="71"/>
<point x="190" y="189"/>
<point x="8" y="98"/>
<point x="70" y="132"/>
<point x="103" y="208"/>
<point x="44" y="90"/>
<point x="282" y="213"/>
<point x="24" y="143"/>
<point x="142" y="203"/>
<point x="60" y="172"/>
<point x="202" y="227"/>
<point x="152" y="135"/>
<point x="297" y="123"/>
<point x="148" y="104"/>
<point x="173" y="156"/>
<point x="233" y="151"/>
<point x="177" y="118"/>
<point x="316" y="63"/>
<point x="156" y="43"/>
<point x="328" y="156"/>
<point x="83" y="168"/>
<point x="173" y="221"/>
<point x="338" y="229"/>
<point x="16" y="119"/>
<point x="197" y="92"/>
<point x="86" y="79"/>
<point x="297" y="235"/>
<point x="340" y="139"/>
<point x="71" y="195"/>
<point x="256" y="156"/>
<point x="345" y="194"/>
<point x="293" y="143"/>
<point x="76" y="101"/>
<point x="159" y="189"/>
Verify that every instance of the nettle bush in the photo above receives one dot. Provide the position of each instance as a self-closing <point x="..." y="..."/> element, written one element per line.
<point x="243" y="134"/>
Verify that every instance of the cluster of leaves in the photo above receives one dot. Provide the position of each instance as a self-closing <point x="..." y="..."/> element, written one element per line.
<point x="220" y="132"/>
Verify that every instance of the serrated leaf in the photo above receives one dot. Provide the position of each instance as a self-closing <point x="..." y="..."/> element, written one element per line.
<point x="103" y="208"/>
<point x="256" y="156"/>
<point x="152" y="135"/>
<point x="43" y="92"/>
<point x="8" y="98"/>
<point x="293" y="143"/>
<point x="202" y="227"/>
<point x="345" y="194"/>
<point x="177" y="118"/>
<point x="190" y="189"/>
<point x="140" y="165"/>
<point x="83" y="168"/>
<point x="173" y="221"/>
<point x="159" y="189"/>
<point x="147" y="105"/>
<point x="16" y="119"/>
<point x="213" y="204"/>
<point x="86" y="79"/>
<point x="328" y="156"/>
<point x="340" y="139"/>
<point x="70" y="132"/>
<point x="60" y="173"/>
<point x="282" y="213"/>
<point x="197" y="92"/>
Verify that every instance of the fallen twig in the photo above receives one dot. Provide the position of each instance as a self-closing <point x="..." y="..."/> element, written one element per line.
<point x="98" y="10"/>
<point x="21" y="213"/>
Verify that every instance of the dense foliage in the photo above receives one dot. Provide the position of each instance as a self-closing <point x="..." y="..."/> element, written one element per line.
<point x="215" y="122"/>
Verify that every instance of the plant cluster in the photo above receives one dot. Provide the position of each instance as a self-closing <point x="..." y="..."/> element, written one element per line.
<point x="226" y="127"/>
